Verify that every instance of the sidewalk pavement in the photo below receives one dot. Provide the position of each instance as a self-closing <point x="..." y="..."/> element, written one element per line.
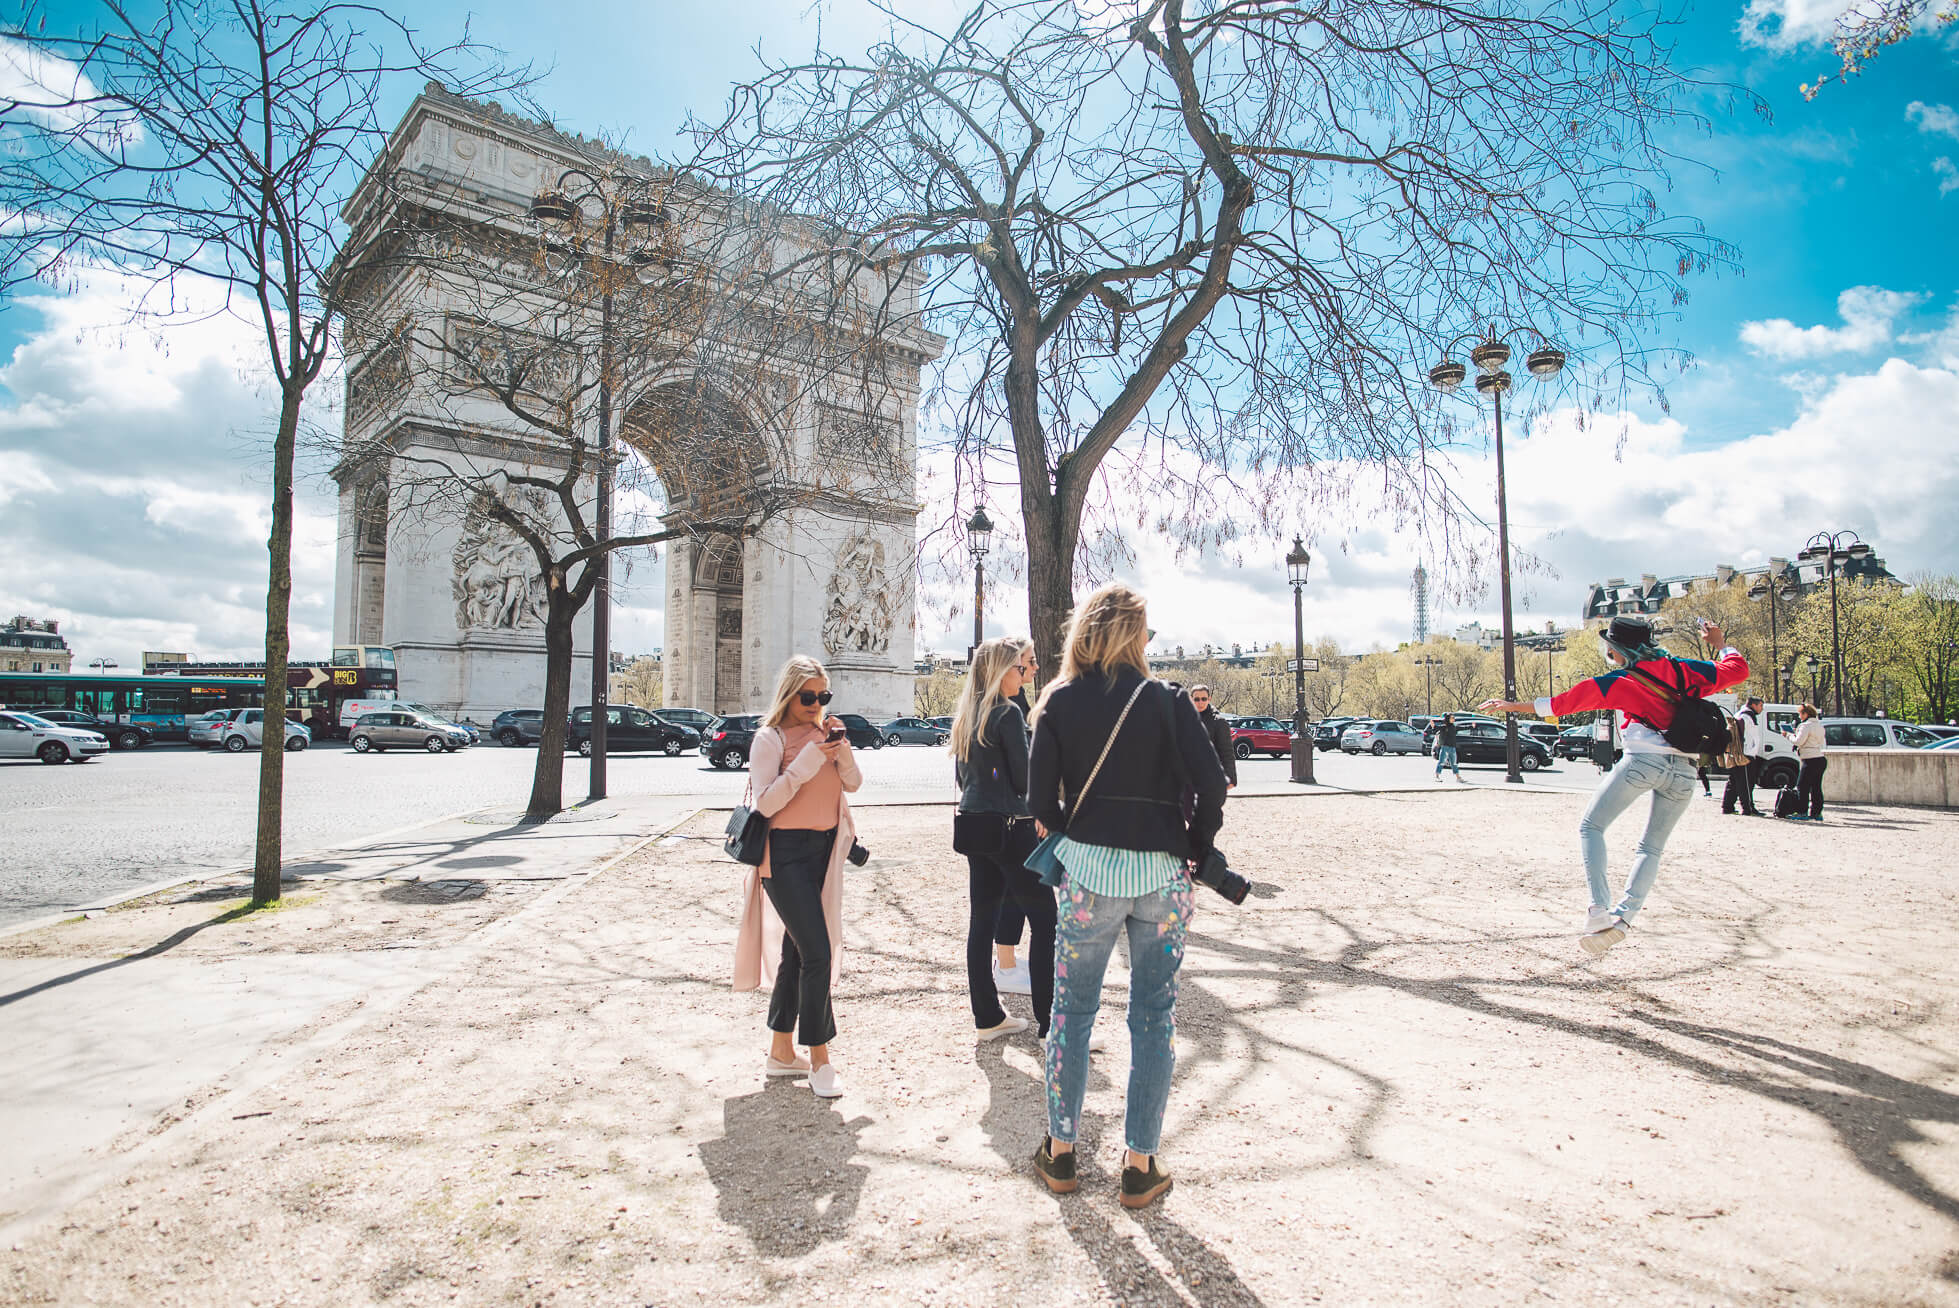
<point x="1399" y="1081"/>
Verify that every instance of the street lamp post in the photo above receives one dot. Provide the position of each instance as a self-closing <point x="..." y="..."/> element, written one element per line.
<point x="1775" y="585"/>
<point x="1489" y="356"/>
<point x="1297" y="563"/>
<point x="1813" y="665"/>
<point x="621" y="201"/>
<point x="1835" y="548"/>
<point x="1551" y="649"/>
<point x="103" y="665"/>
<point x="1428" y="663"/>
<point x="979" y="539"/>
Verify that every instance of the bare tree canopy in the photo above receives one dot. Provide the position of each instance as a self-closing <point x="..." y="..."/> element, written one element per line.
<point x="1220" y="241"/>
<point x="212" y="140"/>
<point x="1867" y="26"/>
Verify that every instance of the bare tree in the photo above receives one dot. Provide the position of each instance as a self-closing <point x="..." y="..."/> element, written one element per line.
<point x="1212" y="245"/>
<point x="1867" y="26"/>
<point x="214" y="141"/>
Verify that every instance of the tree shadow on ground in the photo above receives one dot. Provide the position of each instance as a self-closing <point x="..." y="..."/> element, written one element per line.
<point x="782" y="1169"/>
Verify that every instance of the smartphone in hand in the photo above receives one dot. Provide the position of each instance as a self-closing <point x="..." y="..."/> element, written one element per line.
<point x="838" y="732"/>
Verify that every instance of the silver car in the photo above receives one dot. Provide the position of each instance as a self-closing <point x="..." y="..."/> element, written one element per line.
<point x="207" y="728"/>
<point x="244" y="729"/>
<point x="1382" y="737"/>
<point x="22" y="735"/>
<point x="406" y="729"/>
<point x="913" y="731"/>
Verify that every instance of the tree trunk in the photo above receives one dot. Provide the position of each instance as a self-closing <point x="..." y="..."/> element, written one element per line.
<point x="548" y="781"/>
<point x="1050" y="579"/>
<point x="268" y="861"/>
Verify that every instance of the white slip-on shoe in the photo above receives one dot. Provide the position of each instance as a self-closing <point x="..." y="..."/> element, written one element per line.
<point x="1598" y="919"/>
<point x="773" y="1066"/>
<point x="1596" y="943"/>
<point x="1012" y="980"/>
<point x="1009" y="1026"/>
<point x="823" y="1081"/>
<point x="1098" y="1041"/>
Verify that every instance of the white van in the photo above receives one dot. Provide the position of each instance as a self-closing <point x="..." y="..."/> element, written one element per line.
<point x="351" y="709"/>
<point x="1779" y="762"/>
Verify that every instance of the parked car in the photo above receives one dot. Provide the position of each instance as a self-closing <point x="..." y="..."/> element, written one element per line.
<point x="207" y="728"/>
<point x="467" y="728"/>
<point x="862" y="734"/>
<point x="1326" y="733"/>
<point x="244" y="729"/>
<point x="913" y="731"/>
<point x="1573" y="742"/>
<point x="1428" y="733"/>
<point x="725" y="743"/>
<point x="1940" y="730"/>
<point x="629" y="730"/>
<point x="1544" y="731"/>
<point x="1949" y="743"/>
<point x="943" y="724"/>
<point x="698" y="720"/>
<point x="120" y="735"/>
<point x="1260" y="735"/>
<point x="514" y="727"/>
<point x="28" y="735"/>
<point x="1873" y="733"/>
<point x="1423" y="721"/>
<point x="1383" y="736"/>
<point x="404" y="728"/>
<point x="1484" y="742"/>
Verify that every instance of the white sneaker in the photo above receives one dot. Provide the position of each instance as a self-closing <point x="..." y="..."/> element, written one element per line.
<point x="1012" y="980"/>
<point x="774" y="1066"/>
<point x="1598" y="919"/>
<point x="825" y="1083"/>
<point x="1596" y="943"/>
<point x="1010" y="1026"/>
<point x="1097" y="1042"/>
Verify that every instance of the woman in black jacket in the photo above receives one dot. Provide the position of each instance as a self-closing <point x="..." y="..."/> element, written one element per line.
<point x="989" y="740"/>
<point x="1134" y="746"/>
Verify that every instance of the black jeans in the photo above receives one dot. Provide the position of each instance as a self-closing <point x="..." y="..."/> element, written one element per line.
<point x="1809" y="786"/>
<point x="798" y="863"/>
<point x="994" y="879"/>
<point x="1741" y="787"/>
<point x="1007" y="930"/>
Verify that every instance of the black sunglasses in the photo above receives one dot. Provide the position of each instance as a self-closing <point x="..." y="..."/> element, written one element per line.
<point x="811" y="698"/>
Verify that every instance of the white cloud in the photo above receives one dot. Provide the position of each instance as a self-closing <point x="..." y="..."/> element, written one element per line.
<point x="1783" y="24"/>
<point x="1937" y="118"/>
<point x="55" y="93"/>
<point x="1947" y="173"/>
<point x="1867" y="311"/>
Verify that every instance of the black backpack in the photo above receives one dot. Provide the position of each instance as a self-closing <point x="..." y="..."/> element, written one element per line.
<point x="1698" y="727"/>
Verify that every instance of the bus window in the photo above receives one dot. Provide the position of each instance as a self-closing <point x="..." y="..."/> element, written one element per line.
<point x="379" y="656"/>
<point x="346" y="656"/>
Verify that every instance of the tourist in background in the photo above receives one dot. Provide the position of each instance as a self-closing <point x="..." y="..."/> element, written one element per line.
<point x="1808" y="740"/>
<point x="989" y="742"/>
<point x="1651" y="765"/>
<point x="1009" y="973"/>
<point x="1445" y="747"/>
<point x="1743" y="778"/>
<point x="1220" y="733"/>
<point x="791" y="931"/>
<point x="1125" y="853"/>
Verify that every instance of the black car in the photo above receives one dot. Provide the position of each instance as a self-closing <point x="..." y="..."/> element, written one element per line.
<point x="120" y="735"/>
<point x="697" y="719"/>
<point x="862" y="734"/>
<point x="629" y="729"/>
<point x="725" y="744"/>
<point x="514" y="727"/>
<point x="1326" y="732"/>
<point x="1576" y="742"/>
<point x="1483" y="742"/>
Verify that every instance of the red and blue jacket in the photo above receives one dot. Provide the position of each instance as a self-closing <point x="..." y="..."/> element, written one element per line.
<point x="1640" y="703"/>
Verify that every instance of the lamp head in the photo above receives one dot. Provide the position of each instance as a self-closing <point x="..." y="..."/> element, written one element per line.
<point x="1490" y="356"/>
<point x="1447" y="375"/>
<point x="1298" y="562"/>
<point x="979" y="532"/>
<point x="553" y="206"/>
<point x="1545" y="361"/>
<point x="1493" y="383"/>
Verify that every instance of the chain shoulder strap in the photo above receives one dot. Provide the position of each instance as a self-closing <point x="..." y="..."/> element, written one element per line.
<point x="1107" y="745"/>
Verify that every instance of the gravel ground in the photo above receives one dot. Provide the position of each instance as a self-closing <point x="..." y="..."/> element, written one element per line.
<point x="1399" y="1081"/>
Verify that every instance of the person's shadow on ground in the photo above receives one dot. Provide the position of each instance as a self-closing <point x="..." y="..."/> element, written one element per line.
<point x="782" y="1168"/>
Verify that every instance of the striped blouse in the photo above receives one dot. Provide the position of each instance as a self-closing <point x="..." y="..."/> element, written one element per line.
<point x="1117" y="873"/>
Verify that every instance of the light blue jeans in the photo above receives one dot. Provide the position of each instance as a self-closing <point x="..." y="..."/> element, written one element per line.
<point x="1445" y="757"/>
<point x="1670" y="780"/>
<point x="1085" y="934"/>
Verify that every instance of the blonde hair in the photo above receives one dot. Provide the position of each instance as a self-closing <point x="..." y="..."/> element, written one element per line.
<point x="794" y="673"/>
<point x="992" y="661"/>
<point x="1808" y="711"/>
<point x="1109" y="631"/>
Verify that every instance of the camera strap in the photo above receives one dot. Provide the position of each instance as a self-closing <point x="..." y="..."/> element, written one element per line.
<point x="1062" y="787"/>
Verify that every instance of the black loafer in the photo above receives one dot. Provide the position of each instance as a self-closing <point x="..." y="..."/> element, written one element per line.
<point x="1141" y="1188"/>
<point x="1057" y="1171"/>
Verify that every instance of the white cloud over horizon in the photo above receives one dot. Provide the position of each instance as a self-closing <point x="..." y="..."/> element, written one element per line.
<point x="1868" y="313"/>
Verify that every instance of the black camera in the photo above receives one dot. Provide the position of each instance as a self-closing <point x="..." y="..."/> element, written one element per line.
<point x="858" y="855"/>
<point x="1213" y="871"/>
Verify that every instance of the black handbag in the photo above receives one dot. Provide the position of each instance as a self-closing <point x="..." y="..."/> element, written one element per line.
<point x="748" y="836"/>
<point x="979" y="833"/>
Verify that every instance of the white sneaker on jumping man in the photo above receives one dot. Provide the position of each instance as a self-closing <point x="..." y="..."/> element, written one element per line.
<point x="1596" y="943"/>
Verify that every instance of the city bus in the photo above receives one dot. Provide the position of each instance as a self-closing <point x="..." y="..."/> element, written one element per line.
<point x="166" y="695"/>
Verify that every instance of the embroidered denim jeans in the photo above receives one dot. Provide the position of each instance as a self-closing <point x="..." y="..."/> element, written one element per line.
<point x="1085" y="934"/>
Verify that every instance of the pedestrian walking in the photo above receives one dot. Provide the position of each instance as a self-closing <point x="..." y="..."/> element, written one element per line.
<point x="1113" y="753"/>
<point x="1445" y="747"/>
<point x="1010" y="975"/>
<point x="995" y="831"/>
<point x="1745" y="771"/>
<point x="1220" y="733"/>
<point x="1808" y="740"/>
<point x="1647" y="687"/>
<point x="1701" y="765"/>
<point x="791" y="931"/>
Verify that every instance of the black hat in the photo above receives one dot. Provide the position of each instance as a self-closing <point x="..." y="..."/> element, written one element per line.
<point x="1630" y="631"/>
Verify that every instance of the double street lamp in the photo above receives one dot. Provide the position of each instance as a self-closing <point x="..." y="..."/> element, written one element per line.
<point x="103" y="665"/>
<point x="1298" y="561"/>
<point x="1832" y="550"/>
<point x="1813" y="665"/>
<point x="979" y="539"/>
<point x="1490" y="355"/>
<point x="1428" y="663"/>
<point x="611" y="200"/>
<point x="1776" y="584"/>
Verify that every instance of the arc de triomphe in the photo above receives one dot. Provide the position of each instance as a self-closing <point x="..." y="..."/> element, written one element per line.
<point x="459" y="597"/>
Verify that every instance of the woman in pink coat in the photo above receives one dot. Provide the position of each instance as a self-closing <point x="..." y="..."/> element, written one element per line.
<point x="791" y="932"/>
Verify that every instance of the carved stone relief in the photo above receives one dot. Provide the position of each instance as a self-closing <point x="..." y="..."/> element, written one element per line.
<point x="858" y="601"/>
<point x="496" y="584"/>
<point x="857" y="450"/>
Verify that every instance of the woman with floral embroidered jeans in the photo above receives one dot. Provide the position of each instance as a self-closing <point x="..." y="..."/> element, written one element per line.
<point x="1113" y="754"/>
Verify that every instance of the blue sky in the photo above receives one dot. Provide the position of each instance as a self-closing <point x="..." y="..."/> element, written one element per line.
<point x="1839" y="340"/>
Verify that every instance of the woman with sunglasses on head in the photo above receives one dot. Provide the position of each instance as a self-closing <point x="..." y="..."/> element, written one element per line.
<point x="989" y="742"/>
<point x="800" y="768"/>
<point x="1010" y="975"/>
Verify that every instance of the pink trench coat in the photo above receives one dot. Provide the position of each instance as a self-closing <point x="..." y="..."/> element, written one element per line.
<point x="758" y="940"/>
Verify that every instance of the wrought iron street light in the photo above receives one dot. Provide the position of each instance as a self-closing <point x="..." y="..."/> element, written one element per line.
<point x="1298" y="562"/>
<point x="1776" y="585"/>
<point x="979" y="539"/>
<point x="1490" y="354"/>
<point x="103" y="665"/>
<point x="1428" y="663"/>
<point x="1813" y="665"/>
<point x="1833" y="549"/>
<point x="621" y="201"/>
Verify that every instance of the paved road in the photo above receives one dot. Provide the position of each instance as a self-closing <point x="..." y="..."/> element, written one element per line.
<point x="82" y="832"/>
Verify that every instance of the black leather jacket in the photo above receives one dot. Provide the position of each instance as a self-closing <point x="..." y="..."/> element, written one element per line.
<point x="1220" y="734"/>
<point x="1136" y="802"/>
<point x="993" y="779"/>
